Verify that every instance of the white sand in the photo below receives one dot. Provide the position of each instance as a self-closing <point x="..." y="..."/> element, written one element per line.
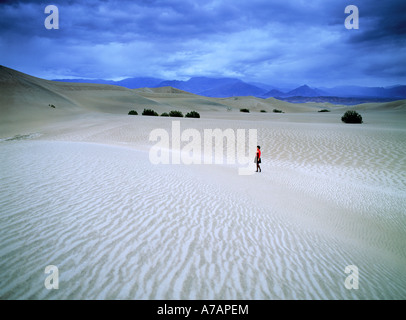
<point x="79" y="191"/>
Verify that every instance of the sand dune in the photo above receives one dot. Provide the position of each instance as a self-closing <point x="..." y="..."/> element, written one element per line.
<point x="163" y="90"/>
<point x="25" y="102"/>
<point x="79" y="191"/>
<point x="194" y="232"/>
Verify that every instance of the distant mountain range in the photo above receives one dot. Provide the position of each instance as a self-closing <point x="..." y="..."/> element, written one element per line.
<point x="230" y="87"/>
<point x="130" y="83"/>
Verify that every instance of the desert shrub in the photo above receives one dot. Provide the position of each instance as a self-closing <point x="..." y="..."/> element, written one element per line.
<point x="277" y="111"/>
<point x="165" y="114"/>
<point x="192" y="114"/>
<point x="245" y="110"/>
<point x="149" y="112"/>
<point x="133" y="113"/>
<point x="324" y="110"/>
<point x="52" y="106"/>
<point x="351" y="116"/>
<point x="175" y="113"/>
<point x="263" y="111"/>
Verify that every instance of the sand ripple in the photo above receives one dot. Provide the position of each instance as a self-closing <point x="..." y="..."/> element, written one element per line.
<point x="119" y="228"/>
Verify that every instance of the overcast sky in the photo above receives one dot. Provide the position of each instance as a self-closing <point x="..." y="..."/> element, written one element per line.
<point x="275" y="42"/>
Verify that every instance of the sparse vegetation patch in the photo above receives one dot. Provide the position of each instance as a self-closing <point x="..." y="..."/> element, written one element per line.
<point x="149" y="112"/>
<point x="351" y="116"/>
<point x="192" y="114"/>
<point x="175" y="113"/>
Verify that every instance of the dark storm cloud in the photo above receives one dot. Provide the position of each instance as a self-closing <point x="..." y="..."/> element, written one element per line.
<point x="258" y="40"/>
<point x="382" y="22"/>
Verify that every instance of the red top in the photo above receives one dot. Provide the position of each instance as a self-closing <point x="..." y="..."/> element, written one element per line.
<point x="259" y="154"/>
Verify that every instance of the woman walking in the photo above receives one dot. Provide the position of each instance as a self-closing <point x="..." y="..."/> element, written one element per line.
<point x="258" y="158"/>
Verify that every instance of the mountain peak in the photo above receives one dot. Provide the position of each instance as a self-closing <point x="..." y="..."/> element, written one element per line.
<point x="305" y="91"/>
<point x="215" y="87"/>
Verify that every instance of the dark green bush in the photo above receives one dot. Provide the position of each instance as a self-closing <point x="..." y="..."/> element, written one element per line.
<point x="192" y="114"/>
<point x="277" y="111"/>
<point x="133" y="113"/>
<point x="245" y="110"/>
<point x="165" y="114"/>
<point x="149" y="112"/>
<point x="324" y="110"/>
<point x="175" y="113"/>
<point x="351" y="116"/>
<point x="263" y="111"/>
